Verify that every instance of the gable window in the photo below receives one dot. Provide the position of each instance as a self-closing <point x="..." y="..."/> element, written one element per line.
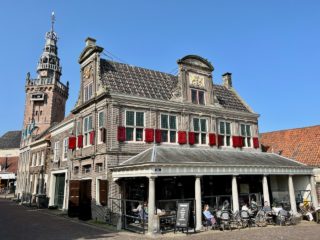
<point x="225" y="132"/>
<point x="168" y="128"/>
<point x="134" y="126"/>
<point x="245" y="132"/>
<point x="56" y="152"/>
<point x="87" y="92"/>
<point x="197" y="96"/>
<point x="200" y="130"/>
<point x="87" y="127"/>
<point x="65" y="149"/>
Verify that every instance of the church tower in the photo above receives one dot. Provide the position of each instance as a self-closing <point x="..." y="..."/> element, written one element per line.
<point x="46" y="96"/>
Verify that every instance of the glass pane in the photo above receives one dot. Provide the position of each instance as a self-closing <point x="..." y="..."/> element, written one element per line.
<point x="139" y="134"/>
<point x="196" y="124"/>
<point x="203" y="125"/>
<point x="130" y="118"/>
<point x="201" y="97"/>
<point x="164" y="121"/>
<point x="140" y="119"/>
<point x="101" y="119"/>
<point x="248" y="130"/>
<point x="173" y="124"/>
<point x="172" y="136"/>
<point x="85" y="125"/>
<point x="164" y="136"/>
<point x="90" y="91"/>
<point x="249" y="142"/>
<point x="221" y="125"/>
<point x="243" y="130"/>
<point x="196" y="138"/>
<point x="228" y="130"/>
<point x="227" y="140"/>
<point x="203" y="138"/>
<point x="90" y="123"/>
<point x="194" y="96"/>
<point x="129" y="134"/>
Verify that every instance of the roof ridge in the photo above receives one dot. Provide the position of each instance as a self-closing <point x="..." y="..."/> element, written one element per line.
<point x="291" y="129"/>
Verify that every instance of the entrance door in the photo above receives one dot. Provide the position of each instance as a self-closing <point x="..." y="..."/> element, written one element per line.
<point x="85" y="200"/>
<point x="59" y="190"/>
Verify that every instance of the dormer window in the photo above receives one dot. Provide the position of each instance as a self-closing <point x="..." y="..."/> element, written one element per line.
<point x="87" y="92"/>
<point x="197" y="96"/>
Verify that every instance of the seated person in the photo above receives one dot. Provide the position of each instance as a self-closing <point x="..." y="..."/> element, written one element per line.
<point x="245" y="208"/>
<point x="225" y="205"/>
<point x="208" y="215"/>
<point x="142" y="210"/>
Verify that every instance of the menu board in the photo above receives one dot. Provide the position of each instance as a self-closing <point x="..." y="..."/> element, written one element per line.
<point x="183" y="215"/>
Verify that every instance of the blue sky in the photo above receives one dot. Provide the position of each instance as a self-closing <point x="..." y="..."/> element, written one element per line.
<point x="271" y="48"/>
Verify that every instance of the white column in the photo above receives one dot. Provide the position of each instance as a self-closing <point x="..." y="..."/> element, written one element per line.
<point x="151" y="204"/>
<point x="198" y="203"/>
<point x="235" y="197"/>
<point x="265" y="189"/>
<point x="292" y="195"/>
<point x="313" y="192"/>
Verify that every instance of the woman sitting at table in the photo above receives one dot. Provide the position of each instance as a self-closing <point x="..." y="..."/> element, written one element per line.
<point x="209" y="217"/>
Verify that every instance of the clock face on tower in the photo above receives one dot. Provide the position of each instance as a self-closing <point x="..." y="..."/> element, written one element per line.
<point x="44" y="73"/>
<point x="196" y="80"/>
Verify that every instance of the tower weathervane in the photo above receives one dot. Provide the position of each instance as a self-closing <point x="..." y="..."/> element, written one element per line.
<point x="53" y="19"/>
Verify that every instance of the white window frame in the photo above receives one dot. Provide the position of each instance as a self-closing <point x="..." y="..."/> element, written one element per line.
<point x="101" y="125"/>
<point x="56" y="151"/>
<point x="38" y="159"/>
<point x="169" y="129"/>
<point x="225" y="135"/>
<point x="86" y="91"/>
<point x="204" y="96"/>
<point x="200" y="132"/>
<point x="134" y="126"/>
<point x="65" y="149"/>
<point x="42" y="158"/>
<point x="86" y="132"/>
<point x="33" y="159"/>
<point x="247" y="139"/>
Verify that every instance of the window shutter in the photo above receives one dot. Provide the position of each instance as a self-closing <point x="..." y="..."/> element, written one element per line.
<point x="191" y="138"/>
<point x="102" y="134"/>
<point x="121" y="133"/>
<point x="212" y="139"/>
<point x="256" y="142"/>
<point x="80" y="141"/>
<point x="103" y="192"/>
<point x="149" y="135"/>
<point x="72" y="142"/>
<point x="235" y="141"/>
<point x="158" y="136"/>
<point x="182" y="137"/>
<point x="220" y="140"/>
<point x="92" y="137"/>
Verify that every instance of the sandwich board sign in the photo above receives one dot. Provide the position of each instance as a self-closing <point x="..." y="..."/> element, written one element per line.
<point x="182" y="220"/>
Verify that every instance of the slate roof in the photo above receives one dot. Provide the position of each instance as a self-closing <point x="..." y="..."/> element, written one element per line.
<point x="209" y="157"/>
<point x="301" y="144"/>
<point x="137" y="81"/>
<point x="10" y="140"/>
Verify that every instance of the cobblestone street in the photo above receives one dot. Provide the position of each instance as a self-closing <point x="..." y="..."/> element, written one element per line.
<point x="18" y="222"/>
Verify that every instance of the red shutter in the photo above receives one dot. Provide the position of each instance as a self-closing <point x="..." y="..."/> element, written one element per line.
<point x="158" y="136"/>
<point x="182" y="137"/>
<point x="80" y="141"/>
<point x="72" y="142"/>
<point x="149" y="135"/>
<point x="121" y="134"/>
<point x="212" y="139"/>
<point x="92" y="137"/>
<point x="256" y="142"/>
<point x="220" y="140"/>
<point x="191" y="138"/>
<point x="235" y="141"/>
<point x="102" y="135"/>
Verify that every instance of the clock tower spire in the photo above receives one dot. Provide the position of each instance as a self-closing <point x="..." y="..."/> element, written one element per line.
<point x="46" y="96"/>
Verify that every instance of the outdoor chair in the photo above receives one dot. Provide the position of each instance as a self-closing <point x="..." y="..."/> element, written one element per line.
<point x="225" y="220"/>
<point x="207" y="223"/>
<point x="245" y="218"/>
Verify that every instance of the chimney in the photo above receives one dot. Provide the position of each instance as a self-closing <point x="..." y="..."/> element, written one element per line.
<point x="227" y="80"/>
<point x="90" y="42"/>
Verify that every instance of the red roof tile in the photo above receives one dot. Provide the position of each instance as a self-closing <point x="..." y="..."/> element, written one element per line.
<point x="301" y="144"/>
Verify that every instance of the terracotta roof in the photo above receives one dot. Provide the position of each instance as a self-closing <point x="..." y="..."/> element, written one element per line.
<point x="10" y="139"/>
<point x="137" y="81"/>
<point x="12" y="164"/>
<point x="301" y="144"/>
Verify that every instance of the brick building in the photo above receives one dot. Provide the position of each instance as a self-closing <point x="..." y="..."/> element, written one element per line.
<point x="301" y="144"/>
<point x="137" y="134"/>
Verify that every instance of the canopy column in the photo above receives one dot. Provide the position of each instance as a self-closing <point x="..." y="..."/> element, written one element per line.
<point x="235" y="196"/>
<point x="198" y="203"/>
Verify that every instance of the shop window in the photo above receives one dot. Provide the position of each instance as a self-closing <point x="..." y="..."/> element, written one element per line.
<point x="200" y="130"/>
<point x="168" y="128"/>
<point x="134" y="126"/>
<point x="245" y="132"/>
<point x="225" y="133"/>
